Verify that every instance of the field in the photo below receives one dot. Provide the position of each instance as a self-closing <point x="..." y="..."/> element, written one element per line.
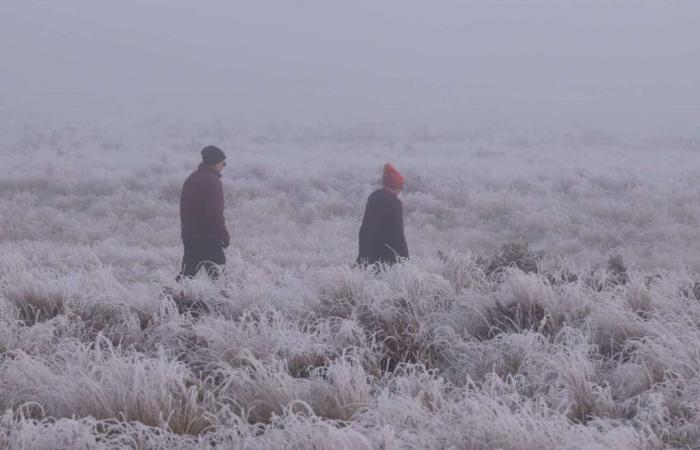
<point x="510" y="327"/>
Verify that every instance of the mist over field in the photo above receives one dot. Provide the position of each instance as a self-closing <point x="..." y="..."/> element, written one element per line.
<point x="620" y="65"/>
<point x="552" y="208"/>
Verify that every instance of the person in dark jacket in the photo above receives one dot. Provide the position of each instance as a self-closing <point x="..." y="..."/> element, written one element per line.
<point x="382" y="238"/>
<point x="204" y="232"/>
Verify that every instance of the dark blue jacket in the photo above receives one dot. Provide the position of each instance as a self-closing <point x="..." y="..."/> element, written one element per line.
<point x="382" y="236"/>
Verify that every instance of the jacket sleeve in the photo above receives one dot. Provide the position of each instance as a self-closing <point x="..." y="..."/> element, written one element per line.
<point x="364" y="241"/>
<point x="398" y="237"/>
<point x="214" y="205"/>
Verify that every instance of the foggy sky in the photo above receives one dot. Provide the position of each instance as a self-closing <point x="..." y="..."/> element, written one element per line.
<point x="593" y="63"/>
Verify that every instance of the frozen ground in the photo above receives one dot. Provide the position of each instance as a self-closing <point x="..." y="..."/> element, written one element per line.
<point x="299" y="350"/>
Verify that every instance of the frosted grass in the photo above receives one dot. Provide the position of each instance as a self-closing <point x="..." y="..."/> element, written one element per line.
<point x="293" y="348"/>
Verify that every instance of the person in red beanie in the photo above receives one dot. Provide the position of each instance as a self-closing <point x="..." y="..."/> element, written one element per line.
<point x="382" y="238"/>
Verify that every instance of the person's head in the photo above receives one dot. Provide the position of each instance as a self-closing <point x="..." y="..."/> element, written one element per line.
<point x="392" y="179"/>
<point x="213" y="157"/>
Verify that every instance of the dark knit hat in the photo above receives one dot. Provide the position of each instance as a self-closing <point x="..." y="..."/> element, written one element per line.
<point x="212" y="155"/>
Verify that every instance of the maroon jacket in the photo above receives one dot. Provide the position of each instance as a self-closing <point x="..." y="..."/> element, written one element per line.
<point x="202" y="206"/>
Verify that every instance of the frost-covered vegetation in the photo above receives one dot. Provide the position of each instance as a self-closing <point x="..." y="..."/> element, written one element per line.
<point x="552" y="298"/>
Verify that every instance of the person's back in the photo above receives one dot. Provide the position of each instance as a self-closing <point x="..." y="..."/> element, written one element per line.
<point x="203" y="226"/>
<point x="382" y="239"/>
<point x="201" y="206"/>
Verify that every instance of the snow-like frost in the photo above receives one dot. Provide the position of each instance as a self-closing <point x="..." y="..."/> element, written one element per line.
<point x="472" y="344"/>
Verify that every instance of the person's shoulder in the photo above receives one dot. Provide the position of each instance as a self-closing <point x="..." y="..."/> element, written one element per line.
<point x="201" y="179"/>
<point x="386" y="196"/>
<point x="377" y="193"/>
<point x="192" y="177"/>
<point x="207" y="176"/>
<point x="378" y="196"/>
<point x="384" y="199"/>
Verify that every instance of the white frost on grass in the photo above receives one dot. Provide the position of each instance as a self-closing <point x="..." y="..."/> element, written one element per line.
<point x="294" y="348"/>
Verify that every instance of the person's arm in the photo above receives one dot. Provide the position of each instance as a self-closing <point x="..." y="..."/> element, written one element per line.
<point x="364" y="239"/>
<point x="214" y="210"/>
<point x="403" y="252"/>
<point x="398" y="237"/>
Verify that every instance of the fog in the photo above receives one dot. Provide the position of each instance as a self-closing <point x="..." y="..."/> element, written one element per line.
<point x="619" y="65"/>
<point x="551" y="210"/>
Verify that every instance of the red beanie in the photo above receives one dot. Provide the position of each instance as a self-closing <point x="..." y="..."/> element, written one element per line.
<point x="392" y="178"/>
